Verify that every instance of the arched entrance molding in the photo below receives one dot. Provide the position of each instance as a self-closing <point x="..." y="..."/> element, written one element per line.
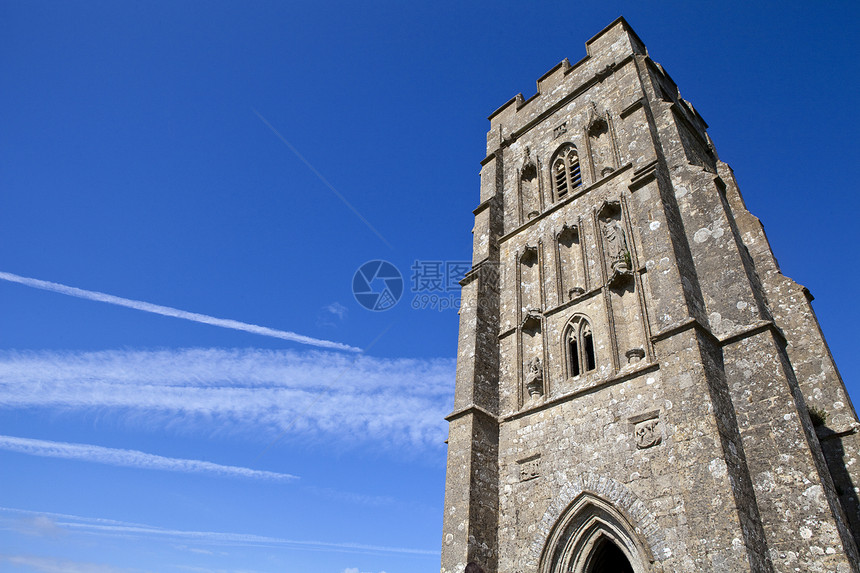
<point x="577" y="538"/>
<point x="587" y="510"/>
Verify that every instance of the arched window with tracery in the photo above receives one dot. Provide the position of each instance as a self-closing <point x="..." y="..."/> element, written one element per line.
<point x="579" y="347"/>
<point x="566" y="173"/>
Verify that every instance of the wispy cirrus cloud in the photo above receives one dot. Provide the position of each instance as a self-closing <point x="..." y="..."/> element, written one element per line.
<point x="131" y="458"/>
<point x="195" y="569"/>
<point x="114" y="528"/>
<point x="174" y="312"/>
<point x="260" y="393"/>
<point x="351" y="497"/>
<point x="332" y="314"/>
<point x="54" y="565"/>
<point x="337" y="309"/>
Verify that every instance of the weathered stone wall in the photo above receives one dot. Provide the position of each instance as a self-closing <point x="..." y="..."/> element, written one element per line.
<point x="813" y="365"/>
<point x="691" y="435"/>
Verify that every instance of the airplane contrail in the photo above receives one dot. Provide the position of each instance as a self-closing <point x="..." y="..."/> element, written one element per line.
<point x="321" y="178"/>
<point x="102" y="526"/>
<point x="174" y="312"/>
<point x="130" y="458"/>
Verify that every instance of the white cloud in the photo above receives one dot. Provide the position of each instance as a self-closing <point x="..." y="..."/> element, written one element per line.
<point x="173" y="312"/>
<point x="113" y="528"/>
<point x="259" y="393"/>
<point x="130" y="458"/>
<point x="52" y="565"/>
<point x="349" y="497"/>
<point x="337" y="309"/>
<point x="331" y="315"/>
<point x="196" y="569"/>
<point x="38" y="525"/>
<point x="200" y="550"/>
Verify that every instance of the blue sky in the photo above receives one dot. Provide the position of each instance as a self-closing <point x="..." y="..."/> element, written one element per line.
<point x="241" y="161"/>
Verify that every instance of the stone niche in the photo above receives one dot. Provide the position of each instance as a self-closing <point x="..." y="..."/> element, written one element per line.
<point x="600" y="143"/>
<point x="616" y="249"/>
<point x="529" y="279"/>
<point x="625" y="307"/>
<point x="530" y="196"/>
<point x="534" y="383"/>
<point x="569" y="268"/>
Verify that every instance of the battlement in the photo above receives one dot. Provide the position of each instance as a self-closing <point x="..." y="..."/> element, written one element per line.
<point x="604" y="51"/>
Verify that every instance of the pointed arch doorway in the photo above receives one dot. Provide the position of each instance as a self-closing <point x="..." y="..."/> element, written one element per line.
<point x="591" y="536"/>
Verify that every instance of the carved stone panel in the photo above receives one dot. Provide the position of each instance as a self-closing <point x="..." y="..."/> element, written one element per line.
<point x="648" y="433"/>
<point x="529" y="468"/>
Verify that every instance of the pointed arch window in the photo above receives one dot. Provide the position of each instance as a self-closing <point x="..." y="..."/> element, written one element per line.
<point x="566" y="173"/>
<point x="579" y="347"/>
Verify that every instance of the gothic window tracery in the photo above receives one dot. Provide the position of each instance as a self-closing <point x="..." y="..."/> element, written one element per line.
<point x="566" y="172"/>
<point x="579" y="347"/>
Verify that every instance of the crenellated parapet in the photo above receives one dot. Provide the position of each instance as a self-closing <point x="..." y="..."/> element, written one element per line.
<point x="607" y="52"/>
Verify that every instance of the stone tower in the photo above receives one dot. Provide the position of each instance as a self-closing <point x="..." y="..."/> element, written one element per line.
<point x="639" y="388"/>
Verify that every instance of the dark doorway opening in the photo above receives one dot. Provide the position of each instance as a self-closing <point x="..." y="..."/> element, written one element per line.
<point x="608" y="558"/>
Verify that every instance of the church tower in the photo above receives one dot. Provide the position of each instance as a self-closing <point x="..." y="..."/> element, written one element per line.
<point x="639" y="388"/>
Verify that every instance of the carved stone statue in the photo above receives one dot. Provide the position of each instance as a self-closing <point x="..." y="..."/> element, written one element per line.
<point x="534" y="380"/>
<point x="617" y="252"/>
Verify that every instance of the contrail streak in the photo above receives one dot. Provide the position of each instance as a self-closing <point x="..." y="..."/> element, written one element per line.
<point x="174" y="312"/>
<point x="130" y="458"/>
<point x="321" y="178"/>
<point x="101" y="526"/>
